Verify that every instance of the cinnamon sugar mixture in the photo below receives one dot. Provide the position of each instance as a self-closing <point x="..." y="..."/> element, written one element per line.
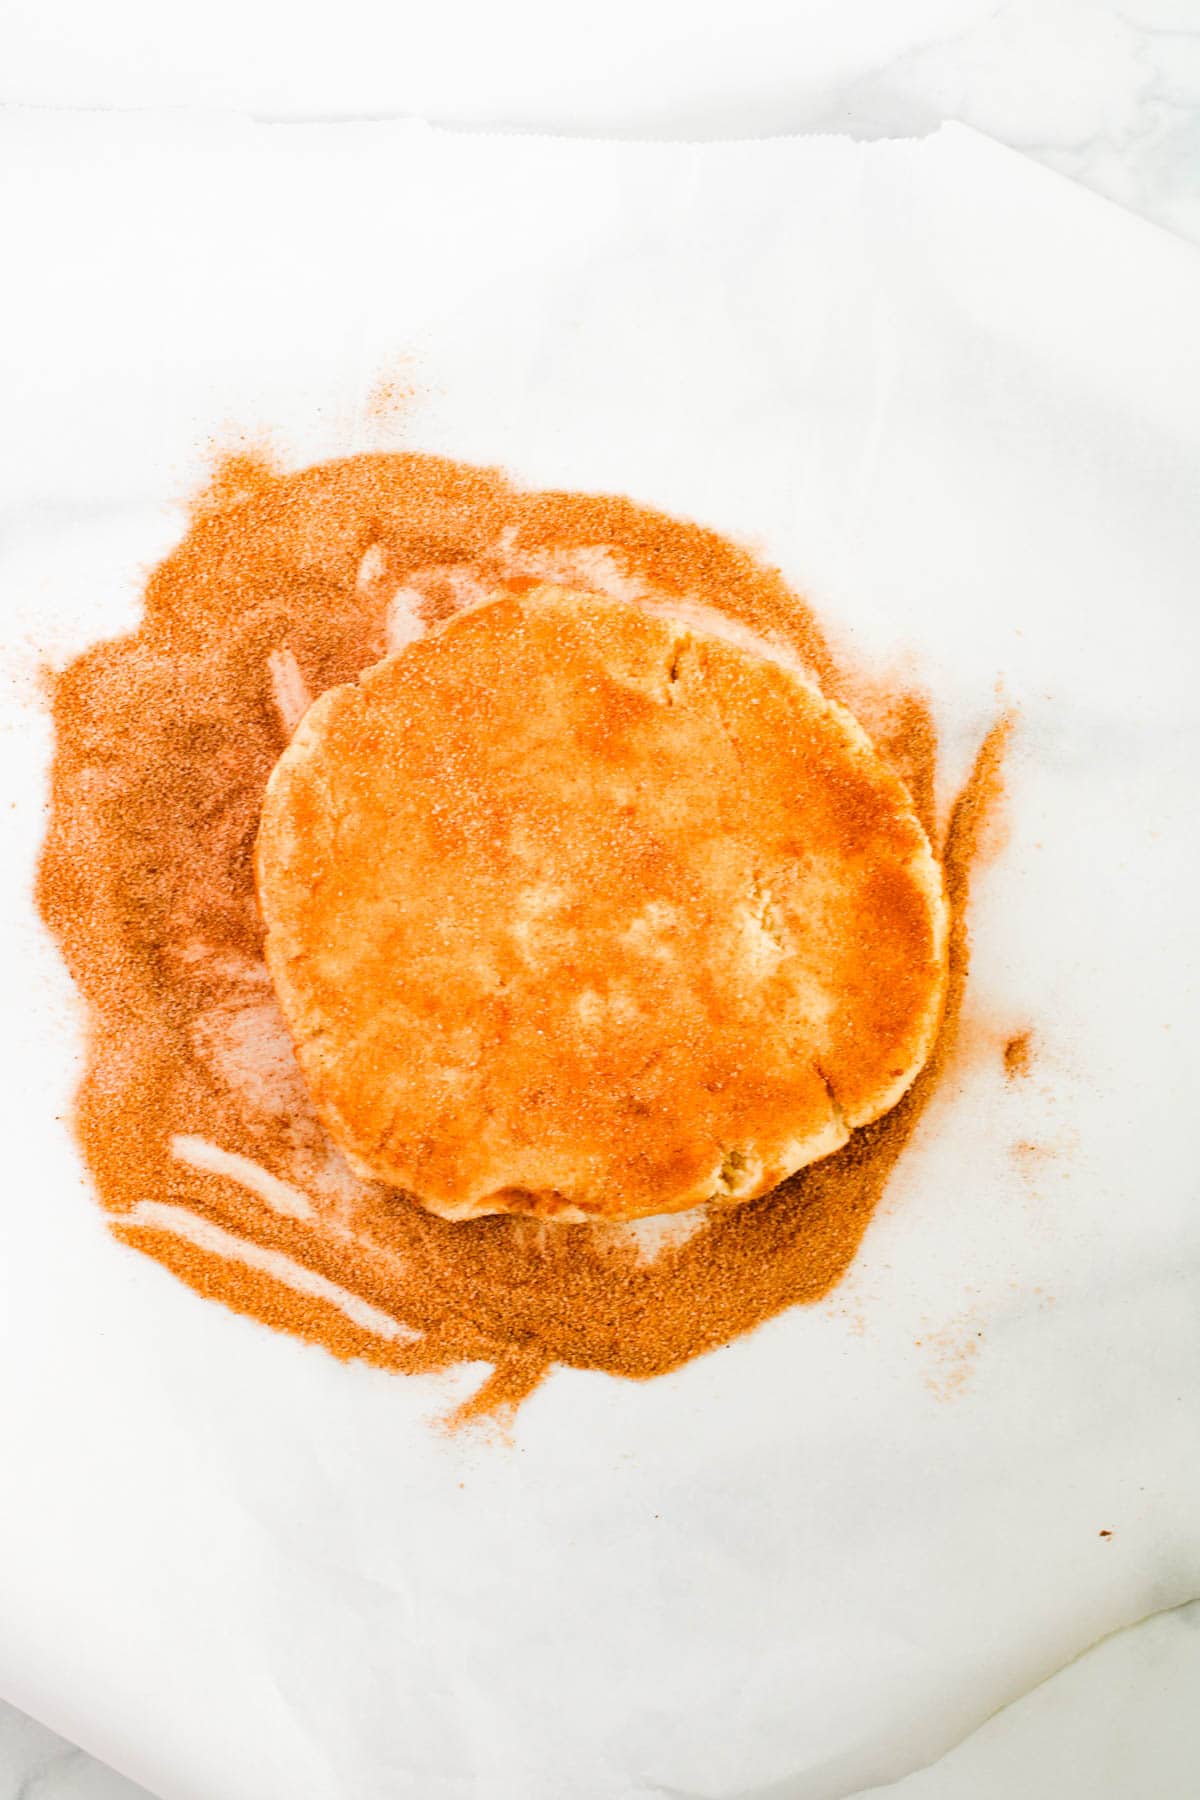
<point x="193" y="1118"/>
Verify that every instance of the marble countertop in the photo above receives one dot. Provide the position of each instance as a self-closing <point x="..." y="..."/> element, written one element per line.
<point x="1106" y="92"/>
<point x="1117" y="1724"/>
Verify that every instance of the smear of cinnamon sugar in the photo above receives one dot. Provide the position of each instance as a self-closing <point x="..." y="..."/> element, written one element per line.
<point x="952" y="1353"/>
<point x="284" y="586"/>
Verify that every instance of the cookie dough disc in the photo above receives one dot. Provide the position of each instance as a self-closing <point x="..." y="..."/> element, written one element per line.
<point x="576" y="910"/>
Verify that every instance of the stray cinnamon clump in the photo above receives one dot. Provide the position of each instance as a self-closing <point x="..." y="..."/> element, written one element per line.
<point x="192" y="1116"/>
<point x="1018" y="1055"/>
<point x="236" y="475"/>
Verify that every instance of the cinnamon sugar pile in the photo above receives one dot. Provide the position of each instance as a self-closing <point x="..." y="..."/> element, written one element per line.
<point x="194" y="1121"/>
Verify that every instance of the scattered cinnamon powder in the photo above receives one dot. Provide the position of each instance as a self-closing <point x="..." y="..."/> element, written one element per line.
<point x="391" y="393"/>
<point x="192" y="1115"/>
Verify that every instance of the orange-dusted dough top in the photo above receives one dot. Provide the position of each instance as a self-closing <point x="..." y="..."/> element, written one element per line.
<point x="576" y="910"/>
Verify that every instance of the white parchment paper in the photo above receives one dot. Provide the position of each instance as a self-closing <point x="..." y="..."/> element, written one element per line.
<point x="958" y="401"/>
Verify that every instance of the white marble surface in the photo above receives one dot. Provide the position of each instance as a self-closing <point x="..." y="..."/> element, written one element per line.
<point x="1117" y="1724"/>
<point x="1106" y="93"/>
